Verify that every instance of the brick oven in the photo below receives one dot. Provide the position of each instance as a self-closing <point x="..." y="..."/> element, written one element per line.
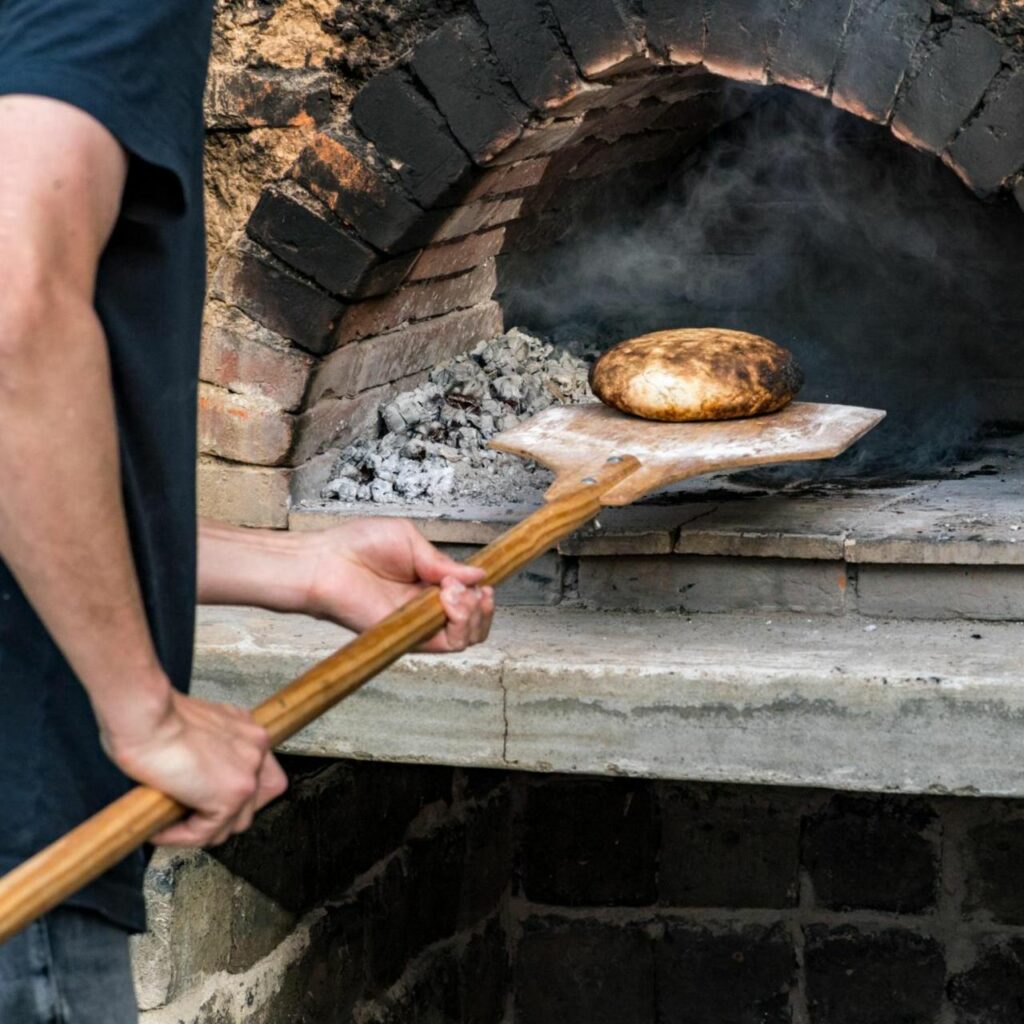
<point x="749" y="753"/>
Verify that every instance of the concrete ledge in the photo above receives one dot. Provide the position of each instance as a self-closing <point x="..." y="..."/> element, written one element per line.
<point x="845" y="703"/>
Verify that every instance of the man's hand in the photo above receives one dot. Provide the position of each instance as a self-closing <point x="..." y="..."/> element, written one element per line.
<point x="355" y="574"/>
<point x="211" y="757"/>
<point x="364" y="570"/>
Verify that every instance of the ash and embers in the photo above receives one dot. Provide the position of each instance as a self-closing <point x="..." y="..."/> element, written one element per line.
<point x="434" y="440"/>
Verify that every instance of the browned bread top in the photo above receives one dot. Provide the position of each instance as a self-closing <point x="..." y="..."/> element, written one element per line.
<point x="698" y="373"/>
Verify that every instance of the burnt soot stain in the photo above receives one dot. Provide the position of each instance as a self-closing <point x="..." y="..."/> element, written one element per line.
<point x="890" y="282"/>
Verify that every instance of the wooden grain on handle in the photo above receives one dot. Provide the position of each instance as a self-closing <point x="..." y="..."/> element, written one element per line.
<point x="85" y="853"/>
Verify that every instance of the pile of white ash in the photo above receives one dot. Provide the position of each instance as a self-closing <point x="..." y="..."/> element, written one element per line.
<point x="433" y="444"/>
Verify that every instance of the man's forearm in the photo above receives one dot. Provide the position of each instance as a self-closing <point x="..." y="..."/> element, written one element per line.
<point x="264" y="568"/>
<point x="62" y="523"/>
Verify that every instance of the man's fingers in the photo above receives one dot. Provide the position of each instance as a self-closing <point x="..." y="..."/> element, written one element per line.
<point x="272" y="782"/>
<point x="432" y="565"/>
<point x="197" y="830"/>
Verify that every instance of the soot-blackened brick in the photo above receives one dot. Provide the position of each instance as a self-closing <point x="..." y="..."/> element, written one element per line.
<point x="733" y="977"/>
<point x="584" y="972"/>
<point x="991" y="991"/>
<point x="808" y="45"/>
<point x="601" y="38"/>
<point x="953" y="76"/>
<point x="409" y="130"/>
<point x="739" y="33"/>
<point x="266" y="97"/>
<point x="272" y="294"/>
<point x="995" y="854"/>
<point x="488" y="860"/>
<point x="460" y="72"/>
<point x="990" y="149"/>
<point x="590" y="843"/>
<point x="725" y="847"/>
<point x="874" y="853"/>
<point x="855" y="977"/>
<point x="484" y="972"/>
<point x="529" y="51"/>
<point x="880" y="39"/>
<point x="300" y="230"/>
<point x="675" y="29"/>
<point x="339" y="170"/>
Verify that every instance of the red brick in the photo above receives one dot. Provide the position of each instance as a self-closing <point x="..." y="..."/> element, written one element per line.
<point x="243" y="495"/>
<point x="418" y="302"/>
<point x="638" y="149"/>
<point x="375" y="361"/>
<point x="242" y="428"/>
<point x="266" y="98"/>
<point x="609" y="125"/>
<point x="455" y="257"/>
<point x="243" y="356"/>
<point x="477" y="217"/>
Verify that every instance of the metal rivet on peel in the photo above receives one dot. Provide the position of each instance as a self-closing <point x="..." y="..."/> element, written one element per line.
<point x="615" y="458"/>
<point x="588" y="480"/>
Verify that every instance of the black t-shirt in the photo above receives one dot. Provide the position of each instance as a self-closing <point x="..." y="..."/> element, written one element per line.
<point x="139" y="68"/>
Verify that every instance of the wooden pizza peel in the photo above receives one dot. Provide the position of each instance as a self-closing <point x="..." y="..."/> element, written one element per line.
<point x="600" y="457"/>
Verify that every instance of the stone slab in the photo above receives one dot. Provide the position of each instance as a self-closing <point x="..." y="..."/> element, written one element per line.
<point x="843" y="703"/>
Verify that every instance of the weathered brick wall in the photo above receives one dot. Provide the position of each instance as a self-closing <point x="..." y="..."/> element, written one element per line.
<point x="401" y="894"/>
<point x="373" y="205"/>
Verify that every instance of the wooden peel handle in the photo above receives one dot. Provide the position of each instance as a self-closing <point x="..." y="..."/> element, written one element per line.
<point x="81" y="856"/>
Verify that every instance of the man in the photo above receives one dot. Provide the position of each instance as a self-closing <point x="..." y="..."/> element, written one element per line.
<point x="102" y="256"/>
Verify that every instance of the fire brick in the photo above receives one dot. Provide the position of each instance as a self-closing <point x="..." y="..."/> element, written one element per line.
<point x="299" y="229"/>
<point x="266" y="98"/>
<point x="990" y="150"/>
<point x="336" y="422"/>
<point x="707" y="832"/>
<point x="600" y="37"/>
<point x="455" y="257"/>
<point x="590" y="843"/>
<point x="529" y="52"/>
<point x="485" y="977"/>
<point x="411" y="133"/>
<point x="738" y="36"/>
<point x="367" y="364"/>
<point x="418" y="302"/>
<point x="338" y="170"/>
<point x="953" y="77"/>
<point x="995" y="853"/>
<point x="808" y="45"/>
<point x="500" y="181"/>
<point x="675" y="29"/>
<point x="260" y="285"/>
<point x="242" y="428"/>
<point x="243" y="356"/>
<point x="991" y="991"/>
<point x="459" y="71"/>
<point x="464" y="220"/>
<point x="584" y="972"/>
<point x="876" y="854"/>
<point x="856" y="977"/>
<point x="880" y="39"/>
<point x="735" y="977"/>
<point x="489" y="847"/>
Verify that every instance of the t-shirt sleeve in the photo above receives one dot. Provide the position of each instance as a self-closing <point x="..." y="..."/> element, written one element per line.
<point x="139" y="68"/>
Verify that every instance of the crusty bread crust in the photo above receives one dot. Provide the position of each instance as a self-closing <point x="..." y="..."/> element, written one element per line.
<point x="701" y="373"/>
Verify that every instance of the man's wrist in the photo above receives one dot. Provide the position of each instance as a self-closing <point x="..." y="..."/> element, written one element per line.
<point x="132" y="711"/>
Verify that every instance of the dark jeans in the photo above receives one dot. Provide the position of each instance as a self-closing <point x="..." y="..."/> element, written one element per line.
<point x="70" y="967"/>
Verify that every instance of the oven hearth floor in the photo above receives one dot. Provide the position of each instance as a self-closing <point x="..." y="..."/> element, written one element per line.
<point x="839" y="702"/>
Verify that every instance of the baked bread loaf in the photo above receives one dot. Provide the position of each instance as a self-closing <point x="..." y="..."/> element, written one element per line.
<point x="701" y="373"/>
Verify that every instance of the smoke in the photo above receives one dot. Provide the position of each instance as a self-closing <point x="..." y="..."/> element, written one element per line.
<point x="891" y="283"/>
